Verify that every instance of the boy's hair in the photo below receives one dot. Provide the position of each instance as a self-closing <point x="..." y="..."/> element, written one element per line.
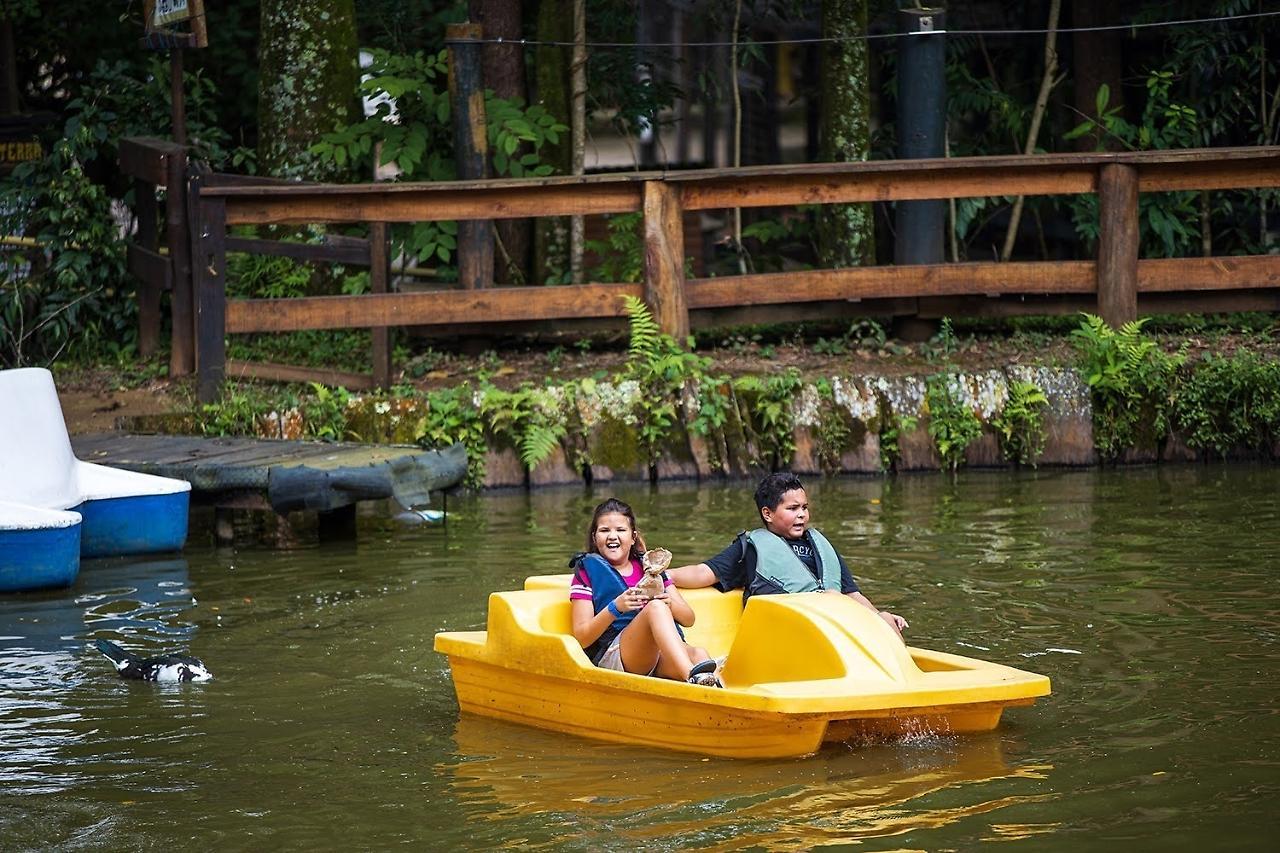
<point x="622" y="508"/>
<point x="771" y="489"/>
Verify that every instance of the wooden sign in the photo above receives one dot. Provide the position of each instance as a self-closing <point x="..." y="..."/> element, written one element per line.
<point x="169" y="12"/>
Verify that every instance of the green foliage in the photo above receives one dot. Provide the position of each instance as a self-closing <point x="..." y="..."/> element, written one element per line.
<point x="621" y="255"/>
<point x="236" y="413"/>
<point x="452" y="417"/>
<point x="528" y="417"/>
<point x="265" y="277"/>
<point x="343" y="349"/>
<point x="1169" y="221"/>
<point x="78" y="297"/>
<point x="415" y="134"/>
<point x="834" y="433"/>
<point x="1020" y="424"/>
<point x="953" y="426"/>
<point x="770" y="416"/>
<point x="1226" y="403"/>
<point x="324" y="412"/>
<point x="1131" y="382"/>
<point x="892" y="427"/>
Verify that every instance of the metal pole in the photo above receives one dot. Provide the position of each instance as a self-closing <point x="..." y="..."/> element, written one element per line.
<point x="922" y="115"/>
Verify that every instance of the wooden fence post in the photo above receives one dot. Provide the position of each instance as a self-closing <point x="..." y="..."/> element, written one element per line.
<point x="182" y="360"/>
<point x="664" y="258"/>
<point x="470" y="148"/>
<point x="209" y="266"/>
<point x="144" y="202"/>
<point x="1118" y="239"/>
<point x="378" y="269"/>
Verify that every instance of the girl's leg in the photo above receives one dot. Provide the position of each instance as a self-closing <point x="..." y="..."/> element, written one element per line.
<point x="697" y="654"/>
<point x="652" y="637"/>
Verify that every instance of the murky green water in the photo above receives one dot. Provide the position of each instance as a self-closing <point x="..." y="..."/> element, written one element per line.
<point x="1151" y="597"/>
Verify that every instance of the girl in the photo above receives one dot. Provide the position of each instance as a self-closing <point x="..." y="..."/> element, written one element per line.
<point x="617" y="627"/>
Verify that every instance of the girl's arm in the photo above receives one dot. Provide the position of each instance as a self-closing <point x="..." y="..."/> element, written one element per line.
<point x="896" y="622"/>
<point x="680" y="608"/>
<point x="588" y="625"/>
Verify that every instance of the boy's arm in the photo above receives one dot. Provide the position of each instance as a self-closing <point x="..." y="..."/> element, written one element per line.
<point x="693" y="577"/>
<point x="896" y="622"/>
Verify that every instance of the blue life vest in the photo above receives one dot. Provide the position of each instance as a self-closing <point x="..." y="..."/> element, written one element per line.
<point x="606" y="585"/>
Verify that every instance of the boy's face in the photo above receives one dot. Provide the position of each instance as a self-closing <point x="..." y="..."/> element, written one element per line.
<point x="790" y="517"/>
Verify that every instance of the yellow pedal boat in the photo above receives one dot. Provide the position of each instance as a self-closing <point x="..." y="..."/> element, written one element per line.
<point x="801" y="670"/>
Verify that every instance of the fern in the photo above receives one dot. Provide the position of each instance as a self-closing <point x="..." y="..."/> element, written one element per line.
<point x="646" y="337"/>
<point x="538" y="442"/>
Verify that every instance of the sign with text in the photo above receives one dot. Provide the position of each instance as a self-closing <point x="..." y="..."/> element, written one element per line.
<point x="169" y="11"/>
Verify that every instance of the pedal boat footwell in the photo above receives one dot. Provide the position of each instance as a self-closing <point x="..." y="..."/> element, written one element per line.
<point x="801" y="670"/>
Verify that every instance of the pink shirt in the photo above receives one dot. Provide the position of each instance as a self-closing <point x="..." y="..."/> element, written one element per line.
<point x="580" y="586"/>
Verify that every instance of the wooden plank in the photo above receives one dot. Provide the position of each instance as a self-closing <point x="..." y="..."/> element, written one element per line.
<point x="886" y="282"/>
<point x="379" y="274"/>
<point x="664" y="259"/>
<point x="351" y="252"/>
<point x="797" y="312"/>
<point x="209" y="266"/>
<point x="182" y="353"/>
<point x="144" y="158"/>
<point x="494" y="305"/>
<point x="1119" y="238"/>
<point x="152" y="270"/>
<point x="1262" y="171"/>
<point x="1221" y="273"/>
<point x="429" y="204"/>
<point x="1014" y="305"/>
<point x="846" y="187"/>
<point x="237" y="369"/>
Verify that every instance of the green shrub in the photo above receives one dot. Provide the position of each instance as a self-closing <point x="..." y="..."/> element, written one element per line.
<point x="1131" y="382"/>
<point x="1225" y="403"/>
<point x="953" y="426"/>
<point x="1020" y="424"/>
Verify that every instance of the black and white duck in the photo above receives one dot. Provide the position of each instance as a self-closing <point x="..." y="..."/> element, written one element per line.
<point x="166" y="668"/>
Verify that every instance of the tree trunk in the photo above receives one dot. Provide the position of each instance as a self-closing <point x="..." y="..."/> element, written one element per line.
<point x="846" y="235"/>
<point x="503" y="69"/>
<point x="307" y="82"/>
<point x="551" y="239"/>
<point x="1098" y="59"/>
<point x="578" y="88"/>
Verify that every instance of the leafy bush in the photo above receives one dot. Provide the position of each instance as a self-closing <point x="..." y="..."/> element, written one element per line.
<point x="953" y="426"/>
<point x="1020" y="424"/>
<point x="1131" y="382"/>
<point x="1229" y="402"/>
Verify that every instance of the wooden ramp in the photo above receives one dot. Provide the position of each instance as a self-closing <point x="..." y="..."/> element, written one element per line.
<point x="282" y="475"/>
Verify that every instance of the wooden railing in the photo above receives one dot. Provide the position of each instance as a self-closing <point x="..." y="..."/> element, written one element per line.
<point x="1112" y="285"/>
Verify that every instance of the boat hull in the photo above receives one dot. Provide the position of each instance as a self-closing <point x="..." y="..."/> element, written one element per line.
<point x="39" y="558"/>
<point x="138" y="524"/>
<point x="802" y="670"/>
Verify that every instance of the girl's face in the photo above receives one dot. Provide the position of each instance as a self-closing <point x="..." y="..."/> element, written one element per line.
<point x="613" y="538"/>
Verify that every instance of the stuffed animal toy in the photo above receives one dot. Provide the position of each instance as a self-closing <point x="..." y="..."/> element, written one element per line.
<point x="655" y="562"/>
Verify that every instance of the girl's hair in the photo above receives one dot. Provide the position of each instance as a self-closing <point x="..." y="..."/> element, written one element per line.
<point x="609" y="506"/>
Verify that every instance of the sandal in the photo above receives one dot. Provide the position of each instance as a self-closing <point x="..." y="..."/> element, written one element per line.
<point x="704" y="674"/>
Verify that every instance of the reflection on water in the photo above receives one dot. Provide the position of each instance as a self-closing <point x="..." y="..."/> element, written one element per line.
<point x="502" y="772"/>
<point x="1151" y="597"/>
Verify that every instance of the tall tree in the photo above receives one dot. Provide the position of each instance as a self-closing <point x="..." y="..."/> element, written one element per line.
<point x="1097" y="60"/>
<point x="503" y="71"/>
<point x="846" y="235"/>
<point x="552" y="63"/>
<point x="307" y="81"/>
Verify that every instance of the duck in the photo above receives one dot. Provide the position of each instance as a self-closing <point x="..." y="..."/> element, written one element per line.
<point x="163" y="668"/>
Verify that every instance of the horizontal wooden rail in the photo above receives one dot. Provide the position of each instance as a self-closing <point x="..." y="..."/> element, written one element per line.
<point x="520" y="304"/>
<point x="493" y="305"/>
<point x="146" y="159"/>
<point x="758" y="186"/>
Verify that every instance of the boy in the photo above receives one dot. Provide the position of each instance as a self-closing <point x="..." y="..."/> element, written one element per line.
<point x="783" y="556"/>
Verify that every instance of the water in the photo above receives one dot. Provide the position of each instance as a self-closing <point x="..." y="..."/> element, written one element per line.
<point x="1149" y="597"/>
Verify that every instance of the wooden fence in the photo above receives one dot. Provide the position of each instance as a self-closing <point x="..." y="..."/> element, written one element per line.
<point x="1117" y="284"/>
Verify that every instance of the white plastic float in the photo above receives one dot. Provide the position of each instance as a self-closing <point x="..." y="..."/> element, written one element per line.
<point x="55" y="509"/>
